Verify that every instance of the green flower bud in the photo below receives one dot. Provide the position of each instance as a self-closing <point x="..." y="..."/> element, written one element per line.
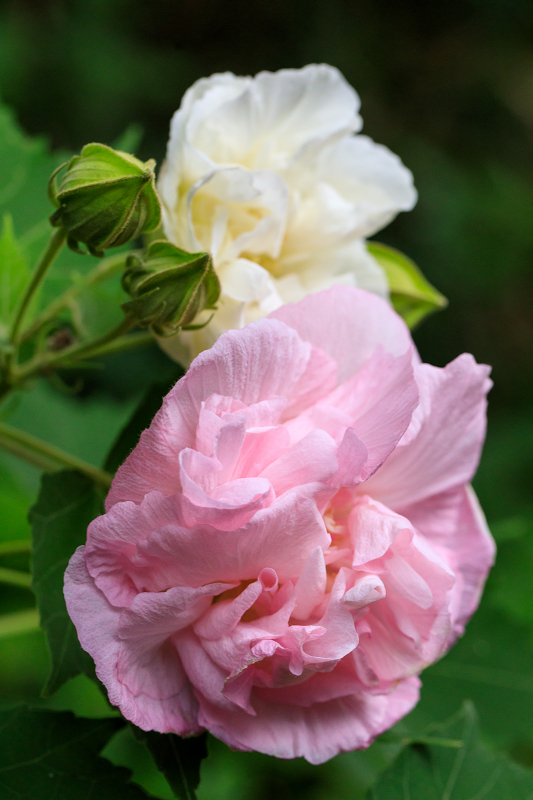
<point x="104" y="198"/>
<point x="169" y="287"/>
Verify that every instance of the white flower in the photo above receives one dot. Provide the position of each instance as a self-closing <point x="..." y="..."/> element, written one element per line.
<point x="267" y="174"/>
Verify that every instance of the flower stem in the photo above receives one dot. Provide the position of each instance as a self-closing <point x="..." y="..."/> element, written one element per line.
<point x="15" y="577"/>
<point x="47" y="456"/>
<point x="19" y="622"/>
<point x="45" y="362"/>
<point x="15" y="546"/>
<point x="54" y="245"/>
<point x="106" y="269"/>
<point x="141" y="339"/>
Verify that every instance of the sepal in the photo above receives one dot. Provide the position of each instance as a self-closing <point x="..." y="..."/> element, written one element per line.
<point x="169" y="287"/>
<point x="104" y="198"/>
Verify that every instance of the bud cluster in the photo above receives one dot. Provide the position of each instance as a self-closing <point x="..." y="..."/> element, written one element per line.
<point x="169" y="287"/>
<point x="104" y="198"/>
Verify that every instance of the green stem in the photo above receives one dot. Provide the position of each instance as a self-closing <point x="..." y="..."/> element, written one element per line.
<point x="19" y="622"/>
<point x="434" y="740"/>
<point x="15" y="577"/>
<point x="47" y="456"/>
<point x="106" y="269"/>
<point x="129" y="342"/>
<point x="49" y="361"/>
<point x="15" y="546"/>
<point x="54" y="245"/>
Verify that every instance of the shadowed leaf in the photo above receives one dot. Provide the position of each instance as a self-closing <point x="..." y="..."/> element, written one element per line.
<point x="67" y="503"/>
<point x="178" y="759"/>
<point x="51" y="754"/>
<point x="411" y="295"/>
<point x="449" y="772"/>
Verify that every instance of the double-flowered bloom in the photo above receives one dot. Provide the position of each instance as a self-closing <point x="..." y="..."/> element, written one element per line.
<point x="294" y="538"/>
<point x="270" y="175"/>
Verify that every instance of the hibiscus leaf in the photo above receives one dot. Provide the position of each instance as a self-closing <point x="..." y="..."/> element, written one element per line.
<point x="492" y="665"/>
<point x="13" y="274"/>
<point x="25" y="167"/>
<point x="67" y="503"/>
<point x="45" y="754"/>
<point x="140" y="419"/>
<point x="177" y="758"/>
<point x="26" y="164"/>
<point x="411" y="294"/>
<point x="453" y="764"/>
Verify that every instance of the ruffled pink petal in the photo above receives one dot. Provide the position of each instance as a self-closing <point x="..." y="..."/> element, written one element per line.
<point x="373" y="528"/>
<point x="340" y="636"/>
<point x="226" y="506"/>
<point x="217" y="411"/>
<point x="348" y="325"/>
<point x="455" y="526"/>
<point x="263" y="360"/>
<point x="312" y="459"/>
<point x="311" y="585"/>
<point x="380" y="400"/>
<point x="148" y="548"/>
<point x="352" y="457"/>
<point x="261" y="447"/>
<point x="156" y="694"/>
<point x="410" y="627"/>
<point x="441" y="449"/>
<point x="317" y="732"/>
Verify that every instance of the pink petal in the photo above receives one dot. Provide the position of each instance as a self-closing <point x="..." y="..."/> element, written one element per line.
<point x="366" y="590"/>
<point x="226" y="506"/>
<point x="260" y="448"/>
<point x="340" y="636"/>
<point x="280" y="537"/>
<point x="156" y="694"/>
<point x="380" y="400"/>
<point x="263" y="360"/>
<point x="348" y="325"/>
<point x="352" y="457"/>
<point x="373" y="528"/>
<point x="318" y="732"/>
<point x="311" y="585"/>
<point x="310" y="460"/>
<point x="441" y="449"/>
<point x="455" y="526"/>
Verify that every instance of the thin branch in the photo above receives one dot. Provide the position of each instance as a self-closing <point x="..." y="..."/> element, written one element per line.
<point x="15" y="546"/>
<point x="47" y="456"/>
<point x="19" y="622"/>
<point x="54" y="246"/>
<point x="15" y="577"/>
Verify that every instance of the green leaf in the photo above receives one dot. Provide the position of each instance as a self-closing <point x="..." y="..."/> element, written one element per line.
<point x="447" y="772"/>
<point x="67" y="503"/>
<point x="130" y="139"/>
<point x="141" y="419"/>
<point x="51" y="754"/>
<point x="97" y="308"/>
<point x="177" y="758"/>
<point x="25" y="168"/>
<point x="411" y="295"/>
<point x="492" y="665"/>
<point x="509" y="588"/>
<point x="13" y="274"/>
<point x="14" y="502"/>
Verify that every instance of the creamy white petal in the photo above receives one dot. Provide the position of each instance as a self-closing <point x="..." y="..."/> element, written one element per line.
<point x="268" y="171"/>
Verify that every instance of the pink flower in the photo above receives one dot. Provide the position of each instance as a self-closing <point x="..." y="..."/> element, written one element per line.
<point x="293" y="539"/>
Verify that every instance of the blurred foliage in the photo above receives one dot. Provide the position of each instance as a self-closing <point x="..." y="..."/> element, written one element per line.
<point x="449" y="88"/>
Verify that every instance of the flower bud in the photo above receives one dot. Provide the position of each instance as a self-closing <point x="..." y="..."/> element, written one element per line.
<point x="104" y="198"/>
<point x="169" y="287"/>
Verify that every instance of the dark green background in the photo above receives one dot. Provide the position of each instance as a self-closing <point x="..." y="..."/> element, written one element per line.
<point x="449" y="87"/>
